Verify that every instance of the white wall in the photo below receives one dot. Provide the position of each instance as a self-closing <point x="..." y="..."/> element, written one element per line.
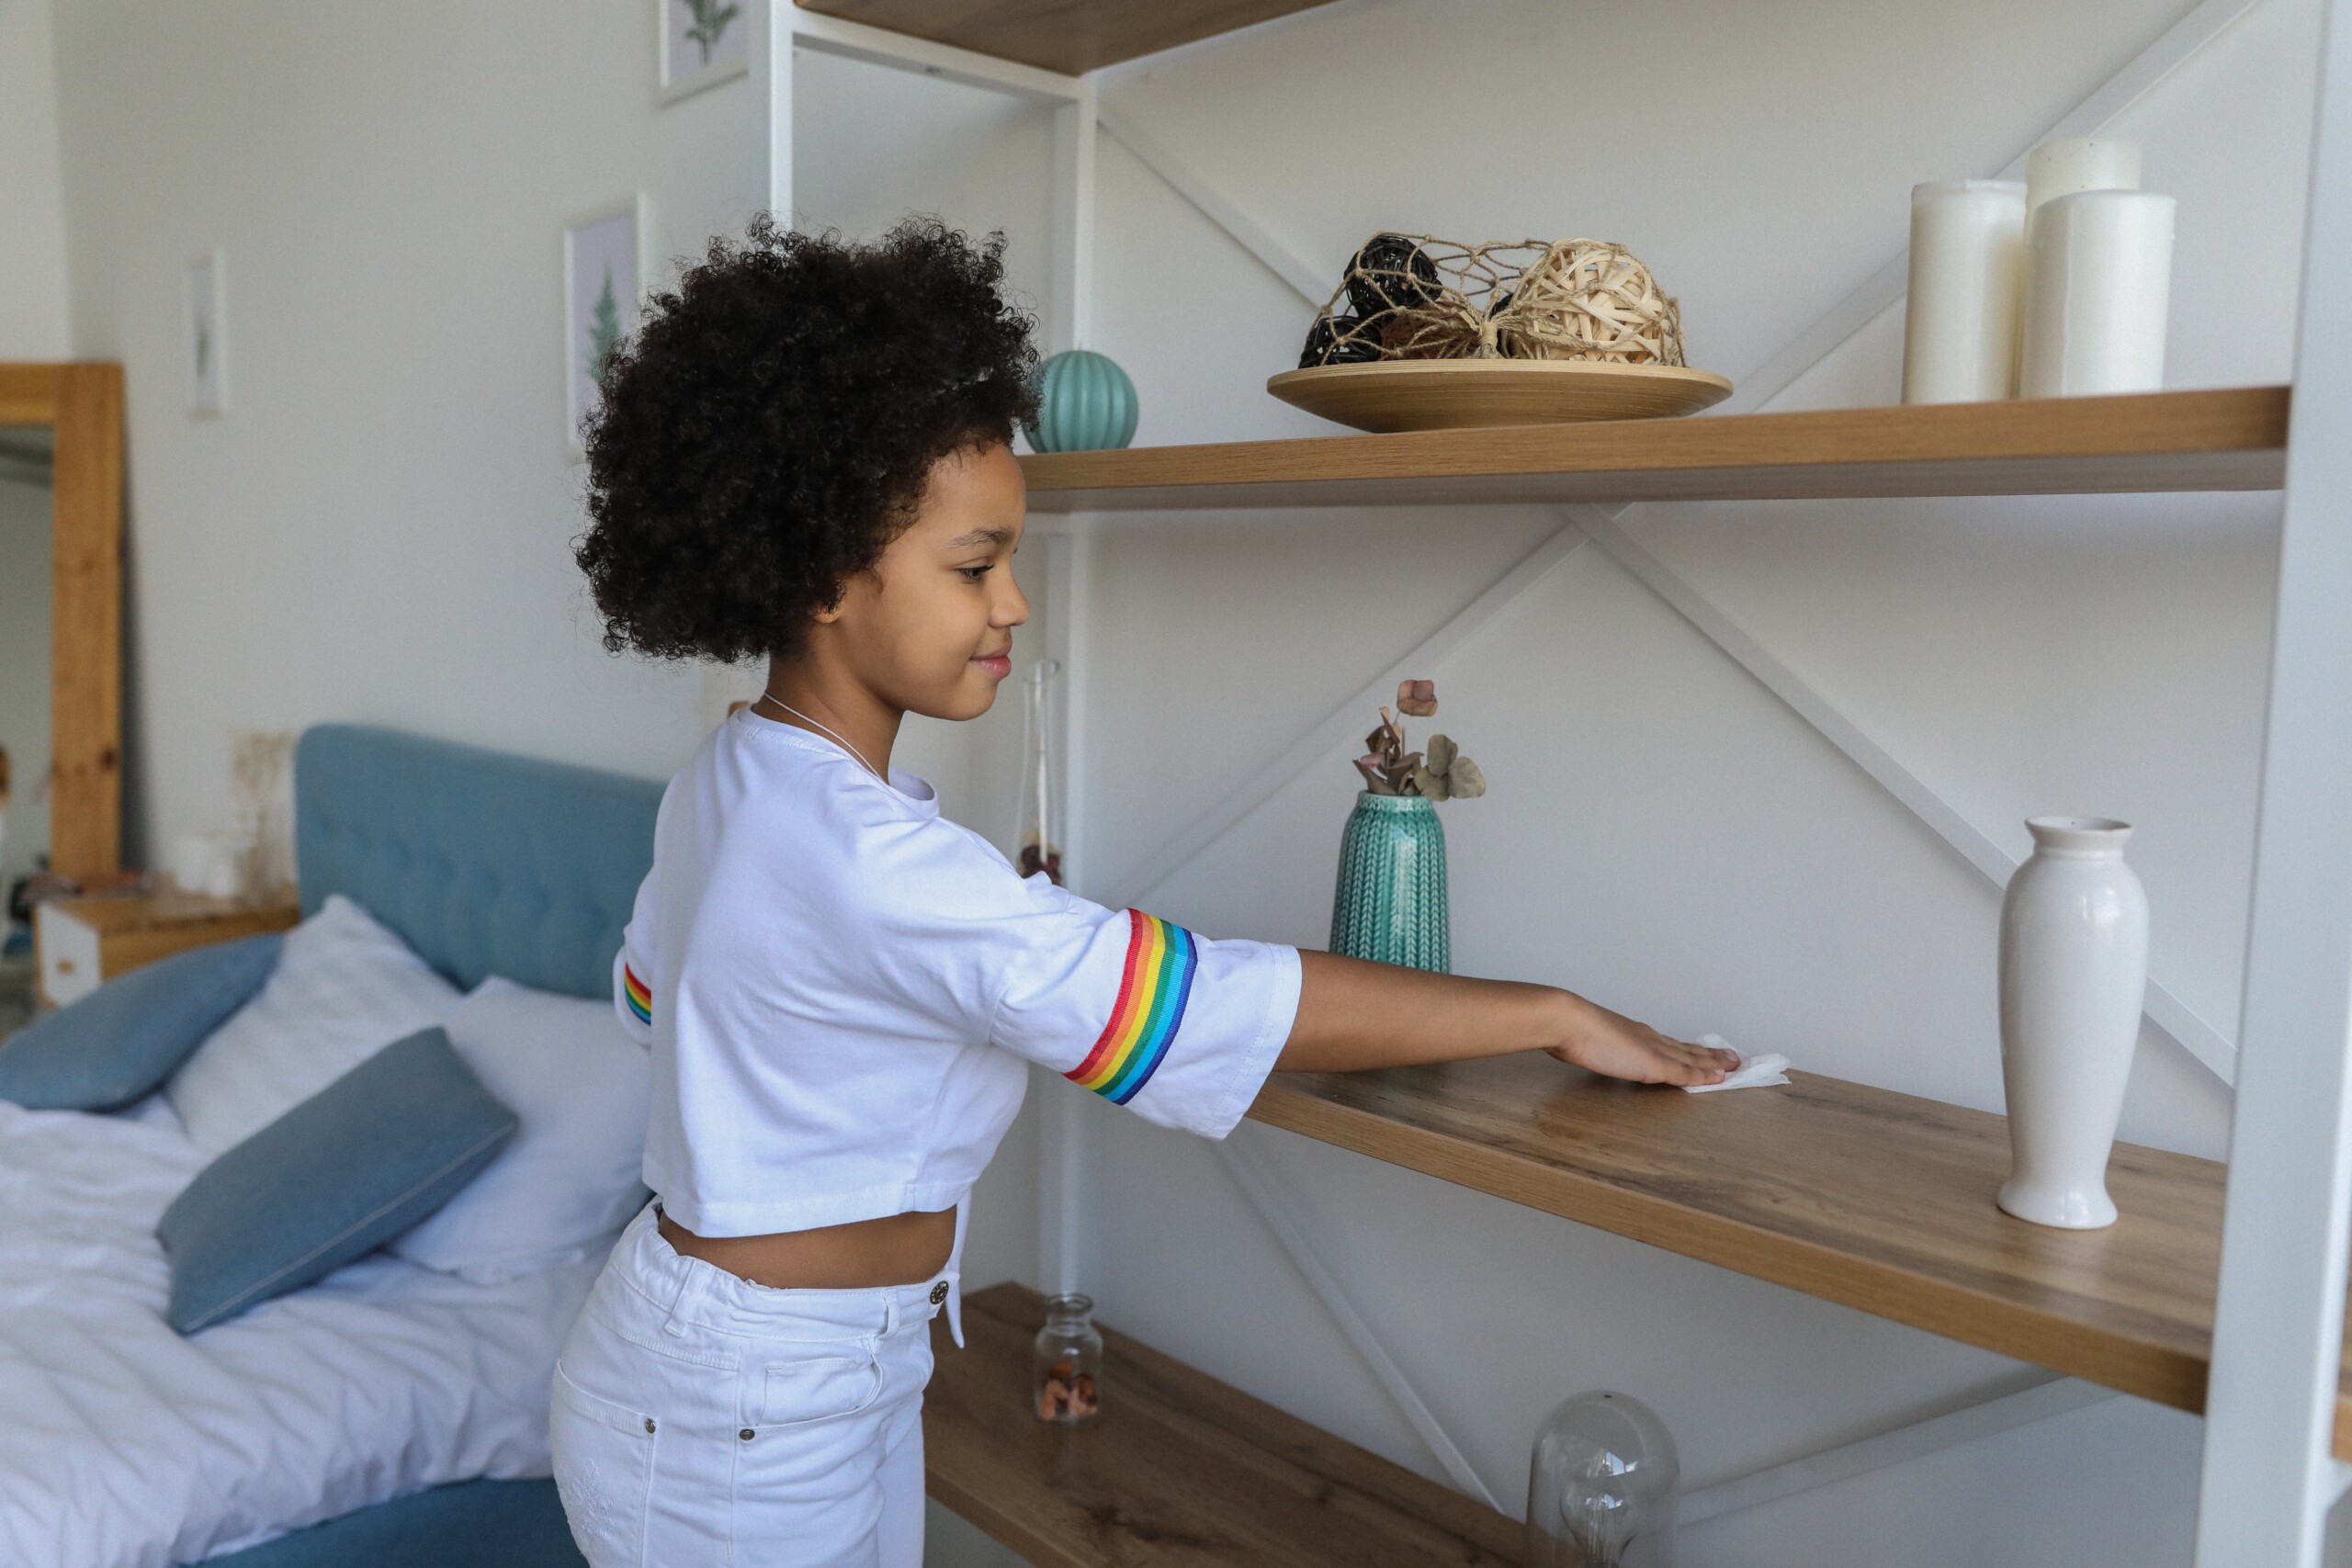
<point x="379" y="530"/>
<point x="32" y="326"/>
<point x="32" y="216"/>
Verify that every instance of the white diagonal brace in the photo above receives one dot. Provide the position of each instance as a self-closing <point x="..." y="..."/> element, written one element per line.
<point x="2165" y="1010"/>
<point x="1343" y="724"/>
<point x="1270" y="1200"/>
<point x="1309" y="284"/>
<point x="2180" y="43"/>
<point x="2059" y="1396"/>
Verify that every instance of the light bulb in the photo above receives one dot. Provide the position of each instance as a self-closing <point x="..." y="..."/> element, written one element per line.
<point x="1603" y="1486"/>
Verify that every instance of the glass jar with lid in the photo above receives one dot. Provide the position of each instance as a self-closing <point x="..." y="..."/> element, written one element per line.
<point x="1068" y="1362"/>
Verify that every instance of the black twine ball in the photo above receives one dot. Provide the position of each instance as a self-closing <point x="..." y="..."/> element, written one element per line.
<point x="1319" y="339"/>
<point x="1401" y="276"/>
<point x="1324" y="347"/>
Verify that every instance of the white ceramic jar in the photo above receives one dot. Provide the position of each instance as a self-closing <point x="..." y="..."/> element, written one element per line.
<point x="2074" y="974"/>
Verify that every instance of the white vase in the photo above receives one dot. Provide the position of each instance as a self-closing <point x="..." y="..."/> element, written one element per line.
<point x="2074" y="974"/>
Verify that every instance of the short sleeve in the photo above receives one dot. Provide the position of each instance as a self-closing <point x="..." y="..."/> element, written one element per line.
<point x="633" y="969"/>
<point x="938" y="927"/>
<point x="1179" y="1028"/>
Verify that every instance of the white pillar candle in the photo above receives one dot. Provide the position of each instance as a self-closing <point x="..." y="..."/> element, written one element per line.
<point x="2078" y="164"/>
<point x="1959" y="330"/>
<point x="2098" y="294"/>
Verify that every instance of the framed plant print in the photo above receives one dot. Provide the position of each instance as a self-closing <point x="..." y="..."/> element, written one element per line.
<point x="604" y="277"/>
<point x="703" y="43"/>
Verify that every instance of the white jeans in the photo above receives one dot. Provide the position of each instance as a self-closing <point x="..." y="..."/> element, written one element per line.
<point x="701" y="1420"/>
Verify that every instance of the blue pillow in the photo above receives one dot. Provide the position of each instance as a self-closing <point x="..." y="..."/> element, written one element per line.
<point x="346" y="1171"/>
<point x="118" y="1043"/>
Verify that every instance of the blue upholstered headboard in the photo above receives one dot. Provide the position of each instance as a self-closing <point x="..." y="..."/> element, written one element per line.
<point x="484" y="862"/>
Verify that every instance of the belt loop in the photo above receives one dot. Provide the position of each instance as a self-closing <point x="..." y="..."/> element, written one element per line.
<point x="671" y="1323"/>
<point x="674" y="1324"/>
<point x="956" y="1272"/>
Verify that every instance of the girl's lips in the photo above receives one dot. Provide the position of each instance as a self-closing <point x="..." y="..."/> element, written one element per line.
<point x="996" y="666"/>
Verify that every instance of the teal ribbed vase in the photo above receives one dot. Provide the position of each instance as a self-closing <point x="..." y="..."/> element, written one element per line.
<point x="1391" y="903"/>
<point x="1085" y="403"/>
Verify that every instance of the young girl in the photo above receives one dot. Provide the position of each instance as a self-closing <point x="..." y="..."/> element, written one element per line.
<point x="806" y="454"/>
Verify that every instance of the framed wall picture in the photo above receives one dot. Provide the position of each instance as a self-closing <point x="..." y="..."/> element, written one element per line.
<point x="207" y="345"/>
<point x="604" y="274"/>
<point x="703" y="43"/>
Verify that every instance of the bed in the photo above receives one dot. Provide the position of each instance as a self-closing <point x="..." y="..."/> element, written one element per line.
<point x="274" y="1441"/>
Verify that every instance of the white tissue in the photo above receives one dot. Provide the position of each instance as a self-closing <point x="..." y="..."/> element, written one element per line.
<point x="1759" y="1072"/>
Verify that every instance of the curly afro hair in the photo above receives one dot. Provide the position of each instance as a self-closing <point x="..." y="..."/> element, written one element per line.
<point x="770" y="428"/>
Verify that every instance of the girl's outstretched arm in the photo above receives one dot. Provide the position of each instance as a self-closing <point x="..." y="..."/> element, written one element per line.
<point x="1354" y="1014"/>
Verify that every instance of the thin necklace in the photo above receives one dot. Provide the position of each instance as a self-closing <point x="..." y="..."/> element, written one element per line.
<point x="836" y="735"/>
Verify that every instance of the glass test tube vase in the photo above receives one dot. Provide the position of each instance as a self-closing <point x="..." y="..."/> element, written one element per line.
<point x="1038" y="833"/>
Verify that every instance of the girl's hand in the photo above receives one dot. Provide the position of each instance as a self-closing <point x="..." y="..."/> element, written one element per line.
<point x="1353" y="1015"/>
<point x="1617" y="1048"/>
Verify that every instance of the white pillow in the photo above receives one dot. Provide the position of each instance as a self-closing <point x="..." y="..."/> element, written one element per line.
<point x="569" y="1181"/>
<point x="344" y="987"/>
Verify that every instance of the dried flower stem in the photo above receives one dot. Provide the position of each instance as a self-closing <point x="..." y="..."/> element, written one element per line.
<point x="1440" y="773"/>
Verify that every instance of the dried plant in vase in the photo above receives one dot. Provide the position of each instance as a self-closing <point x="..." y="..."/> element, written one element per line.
<point x="1391" y="901"/>
<point x="1440" y="772"/>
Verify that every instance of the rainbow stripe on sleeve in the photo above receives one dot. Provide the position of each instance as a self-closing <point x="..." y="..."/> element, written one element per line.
<point x="1150" y="1008"/>
<point x="640" y="996"/>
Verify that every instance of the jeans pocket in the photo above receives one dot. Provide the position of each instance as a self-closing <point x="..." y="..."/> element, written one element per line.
<point x="807" y="1471"/>
<point x="604" y="1471"/>
<point x="824" y="1386"/>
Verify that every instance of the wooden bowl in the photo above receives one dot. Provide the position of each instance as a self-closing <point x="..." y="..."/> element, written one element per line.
<point x="1455" y="394"/>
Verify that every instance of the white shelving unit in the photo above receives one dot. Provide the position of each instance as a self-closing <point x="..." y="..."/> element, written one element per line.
<point x="2275" y="1346"/>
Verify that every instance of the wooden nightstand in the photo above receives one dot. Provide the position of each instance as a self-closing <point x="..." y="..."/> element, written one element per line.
<point x="82" y="942"/>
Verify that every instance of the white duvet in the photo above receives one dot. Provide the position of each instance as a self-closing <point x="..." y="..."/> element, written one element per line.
<point x="124" y="1446"/>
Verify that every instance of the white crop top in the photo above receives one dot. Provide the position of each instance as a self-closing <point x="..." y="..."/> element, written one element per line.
<point x="842" y="990"/>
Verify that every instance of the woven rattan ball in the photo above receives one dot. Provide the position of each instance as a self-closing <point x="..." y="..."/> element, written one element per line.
<point x="1589" y="300"/>
<point x="1507" y="300"/>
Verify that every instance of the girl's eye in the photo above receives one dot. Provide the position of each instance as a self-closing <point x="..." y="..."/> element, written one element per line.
<point x="974" y="573"/>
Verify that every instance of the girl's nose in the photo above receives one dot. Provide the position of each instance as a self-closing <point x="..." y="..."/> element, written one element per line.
<point x="1012" y="610"/>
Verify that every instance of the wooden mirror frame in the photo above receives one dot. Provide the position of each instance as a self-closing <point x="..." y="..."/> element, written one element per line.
<point x="82" y="405"/>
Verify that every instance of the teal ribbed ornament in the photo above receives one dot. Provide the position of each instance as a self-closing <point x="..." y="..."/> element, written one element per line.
<point x="1391" y="903"/>
<point x="1085" y="403"/>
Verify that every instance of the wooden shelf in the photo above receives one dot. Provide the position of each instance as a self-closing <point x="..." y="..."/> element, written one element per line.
<point x="1180" y="1471"/>
<point x="1881" y="1200"/>
<point x="2235" y="439"/>
<point x="1060" y="35"/>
